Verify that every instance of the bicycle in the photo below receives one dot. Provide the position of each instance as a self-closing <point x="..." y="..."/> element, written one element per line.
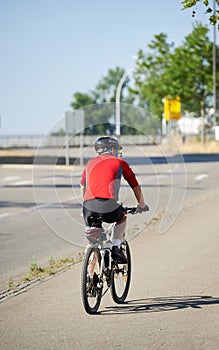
<point x="101" y="273"/>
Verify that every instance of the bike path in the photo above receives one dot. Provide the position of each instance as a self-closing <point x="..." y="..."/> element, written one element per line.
<point x="173" y="301"/>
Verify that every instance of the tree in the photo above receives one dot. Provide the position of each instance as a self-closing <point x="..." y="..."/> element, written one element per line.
<point x="213" y="15"/>
<point x="149" y="72"/>
<point x="82" y="100"/>
<point x="190" y="72"/>
<point x="185" y="71"/>
<point x="106" y="88"/>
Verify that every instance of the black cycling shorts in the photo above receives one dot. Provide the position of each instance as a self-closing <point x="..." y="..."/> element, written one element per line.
<point x="107" y="209"/>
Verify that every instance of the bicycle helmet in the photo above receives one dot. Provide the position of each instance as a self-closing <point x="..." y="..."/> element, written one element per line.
<point x="106" y="143"/>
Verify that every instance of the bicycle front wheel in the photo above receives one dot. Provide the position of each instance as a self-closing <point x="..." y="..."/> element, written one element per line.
<point x="91" y="285"/>
<point x="121" y="277"/>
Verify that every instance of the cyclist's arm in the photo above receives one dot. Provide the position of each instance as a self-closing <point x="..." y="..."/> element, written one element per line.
<point x="83" y="188"/>
<point x="83" y="182"/>
<point x="129" y="175"/>
<point x="139" y="196"/>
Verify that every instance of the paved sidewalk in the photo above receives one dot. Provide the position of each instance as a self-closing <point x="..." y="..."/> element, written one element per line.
<point x="173" y="302"/>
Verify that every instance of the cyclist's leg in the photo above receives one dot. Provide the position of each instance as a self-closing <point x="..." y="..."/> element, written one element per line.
<point x="90" y="212"/>
<point x="119" y="233"/>
<point x="116" y="215"/>
<point x="92" y="217"/>
<point x="93" y="224"/>
<point x="119" y="230"/>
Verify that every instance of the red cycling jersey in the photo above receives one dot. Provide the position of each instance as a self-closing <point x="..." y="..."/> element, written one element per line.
<point x="102" y="174"/>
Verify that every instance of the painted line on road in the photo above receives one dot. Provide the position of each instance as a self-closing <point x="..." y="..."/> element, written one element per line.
<point x="11" y="178"/>
<point x="21" y="183"/>
<point x="75" y="197"/>
<point x="201" y="177"/>
<point x="4" y="215"/>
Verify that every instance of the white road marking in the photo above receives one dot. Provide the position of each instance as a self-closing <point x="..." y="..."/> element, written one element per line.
<point x="201" y="177"/>
<point x="75" y="197"/>
<point x="11" y="178"/>
<point x="21" y="183"/>
<point x="4" y="215"/>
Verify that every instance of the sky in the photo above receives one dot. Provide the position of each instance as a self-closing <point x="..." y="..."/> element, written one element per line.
<point x="51" y="49"/>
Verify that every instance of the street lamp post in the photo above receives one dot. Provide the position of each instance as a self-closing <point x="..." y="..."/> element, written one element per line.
<point x="118" y="95"/>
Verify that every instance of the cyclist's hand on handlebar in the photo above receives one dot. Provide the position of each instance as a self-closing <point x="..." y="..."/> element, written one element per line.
<point x="140" y="210"/>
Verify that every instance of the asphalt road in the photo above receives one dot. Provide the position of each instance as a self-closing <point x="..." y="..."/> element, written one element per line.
<point x="173" y="301"/>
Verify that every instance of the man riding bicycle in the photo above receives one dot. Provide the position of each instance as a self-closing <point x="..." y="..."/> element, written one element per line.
<point x="100" y="182"/>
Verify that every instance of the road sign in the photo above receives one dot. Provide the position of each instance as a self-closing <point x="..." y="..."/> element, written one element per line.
<point x="172" y="108"/>
<point x="74" y="122"/>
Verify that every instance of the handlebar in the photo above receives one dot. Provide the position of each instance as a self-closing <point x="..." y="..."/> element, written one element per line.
<point x="135" y="210"/>
<point x="131" y="210"/>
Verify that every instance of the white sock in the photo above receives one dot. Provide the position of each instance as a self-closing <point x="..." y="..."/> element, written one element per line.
<point x="117" y="242"/>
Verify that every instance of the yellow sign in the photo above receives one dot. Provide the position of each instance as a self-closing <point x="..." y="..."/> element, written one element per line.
<point x="172" y="108"/>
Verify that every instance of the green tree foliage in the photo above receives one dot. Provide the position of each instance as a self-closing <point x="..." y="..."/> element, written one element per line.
<point x="213" y="16"/>
<point x="97" y="119"/>
<point x="105" y="90"/>
<point x="107" y="86"/>
<point x="138" y="121"/>
<point x="149" y="72"/>
<point x="190" y="72"/>
<point x="185" y="71"/>
<point x="82" y="99"/>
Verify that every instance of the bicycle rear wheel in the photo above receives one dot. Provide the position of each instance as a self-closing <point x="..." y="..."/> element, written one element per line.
<point x="121" y="277"/>
<point x="91" y="286"/>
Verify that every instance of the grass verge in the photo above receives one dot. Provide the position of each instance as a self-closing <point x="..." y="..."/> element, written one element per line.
<point x="37" y="274"/>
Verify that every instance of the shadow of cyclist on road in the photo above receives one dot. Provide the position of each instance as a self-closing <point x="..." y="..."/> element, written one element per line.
<point x="161" y="304"/>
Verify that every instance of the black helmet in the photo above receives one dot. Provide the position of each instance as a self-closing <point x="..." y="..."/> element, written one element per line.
<point x="105" y="143"/>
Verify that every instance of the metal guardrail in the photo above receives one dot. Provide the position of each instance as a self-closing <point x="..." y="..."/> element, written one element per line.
<point x="35" y="141"/>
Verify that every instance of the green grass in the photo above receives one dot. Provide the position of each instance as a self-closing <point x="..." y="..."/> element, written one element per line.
<point x="38" y="273"/>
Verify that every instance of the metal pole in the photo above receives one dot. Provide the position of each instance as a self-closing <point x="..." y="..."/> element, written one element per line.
<point x="118" y="94"/>
<point x="66" y="150"/>
<point x="81" y="148"/>
<point x="214" y="70"/>
<point x="66" y="139"/>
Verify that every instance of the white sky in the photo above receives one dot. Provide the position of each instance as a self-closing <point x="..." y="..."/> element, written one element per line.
<point x="52" y="48"/>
